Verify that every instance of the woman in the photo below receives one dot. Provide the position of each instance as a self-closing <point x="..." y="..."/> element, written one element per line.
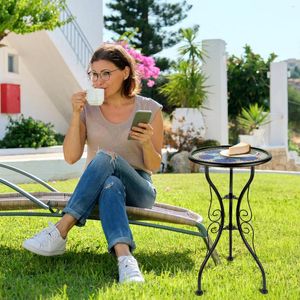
<point x="119" y="169"/>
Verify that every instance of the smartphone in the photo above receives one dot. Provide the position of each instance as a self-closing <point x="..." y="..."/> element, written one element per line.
<point x="141" y="116"/>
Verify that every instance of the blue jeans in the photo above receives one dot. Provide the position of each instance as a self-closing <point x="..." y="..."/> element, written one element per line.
<point x="112" y="183"/>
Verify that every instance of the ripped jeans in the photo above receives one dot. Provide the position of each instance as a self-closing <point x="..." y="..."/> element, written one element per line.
<point x="112" y="183"/>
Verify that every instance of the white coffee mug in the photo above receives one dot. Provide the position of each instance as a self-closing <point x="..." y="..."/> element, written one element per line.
<point x="95" y="96"/>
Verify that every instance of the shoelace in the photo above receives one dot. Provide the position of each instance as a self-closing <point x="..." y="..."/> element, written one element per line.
<point x="45" y="234"/>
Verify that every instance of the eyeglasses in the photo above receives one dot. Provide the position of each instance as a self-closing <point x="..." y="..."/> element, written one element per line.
<point x="104" y="75"/>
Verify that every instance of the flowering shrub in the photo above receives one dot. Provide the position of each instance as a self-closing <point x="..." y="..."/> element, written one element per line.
<point x="145" y="64"/>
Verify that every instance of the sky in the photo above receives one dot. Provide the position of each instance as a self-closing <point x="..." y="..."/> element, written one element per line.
<point x="266" y="25"/>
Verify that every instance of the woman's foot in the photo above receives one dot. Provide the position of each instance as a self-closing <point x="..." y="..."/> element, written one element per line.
<point x="129" y="270"/>
<point x="48" y="242"/>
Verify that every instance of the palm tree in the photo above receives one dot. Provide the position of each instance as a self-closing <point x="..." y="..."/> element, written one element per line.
<point x="185" y="87"/>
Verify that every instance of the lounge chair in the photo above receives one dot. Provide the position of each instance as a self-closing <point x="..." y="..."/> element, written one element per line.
<point x="20" y="201"/>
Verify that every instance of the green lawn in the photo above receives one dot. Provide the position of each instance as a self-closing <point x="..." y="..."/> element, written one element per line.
<point x="169" y="261"/>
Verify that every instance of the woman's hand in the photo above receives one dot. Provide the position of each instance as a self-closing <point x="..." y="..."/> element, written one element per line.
<point x="151" y="138"/>
<point x="143" y="133"/>
<point x="78" y="101"/>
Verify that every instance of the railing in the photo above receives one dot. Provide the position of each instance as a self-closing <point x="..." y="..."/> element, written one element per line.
<point x="76" y="38"/>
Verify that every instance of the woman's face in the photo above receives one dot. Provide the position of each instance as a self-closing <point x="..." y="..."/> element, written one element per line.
<point x="106" y="75"/>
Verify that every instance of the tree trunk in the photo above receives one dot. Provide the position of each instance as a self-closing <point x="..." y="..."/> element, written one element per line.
<point x="145" y="32"/>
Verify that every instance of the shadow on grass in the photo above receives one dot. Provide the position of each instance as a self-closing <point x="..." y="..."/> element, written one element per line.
<point x="24" y="275"/>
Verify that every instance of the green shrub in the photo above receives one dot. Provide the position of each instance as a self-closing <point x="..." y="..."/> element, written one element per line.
<point x="292" y="145"/>
<point x="59" y="138"/>
<point x="294" y="108"/>
<point x="28" y="133"/>
<point x="209" y="143"/>
<point x="185" y="87"/>
<point x="252" y="118"/>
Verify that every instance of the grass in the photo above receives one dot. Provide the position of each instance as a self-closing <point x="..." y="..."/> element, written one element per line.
<point x="169" y="261"/>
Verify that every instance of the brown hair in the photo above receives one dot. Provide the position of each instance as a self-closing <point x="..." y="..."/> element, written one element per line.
<point x="116" y="54"/>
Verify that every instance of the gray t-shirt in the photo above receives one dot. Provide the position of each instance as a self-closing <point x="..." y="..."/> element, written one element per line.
<point x="102" y="134"/>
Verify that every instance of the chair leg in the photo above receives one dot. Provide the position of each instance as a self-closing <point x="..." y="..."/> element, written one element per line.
<point x="215" y="256"/>
<point x="208" y="242"/>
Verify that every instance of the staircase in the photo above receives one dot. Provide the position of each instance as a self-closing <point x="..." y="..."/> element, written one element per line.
<point x="76" y="39"/>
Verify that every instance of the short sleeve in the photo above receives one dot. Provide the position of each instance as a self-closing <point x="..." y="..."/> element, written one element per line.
<point x="148" y="104"/>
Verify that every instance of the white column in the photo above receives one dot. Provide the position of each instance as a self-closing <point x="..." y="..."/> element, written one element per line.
<point x="279" y="104"/>
<point x="214" y="67"/>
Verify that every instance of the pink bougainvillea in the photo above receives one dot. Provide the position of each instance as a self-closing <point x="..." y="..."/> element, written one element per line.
<point x="145" y="64"/>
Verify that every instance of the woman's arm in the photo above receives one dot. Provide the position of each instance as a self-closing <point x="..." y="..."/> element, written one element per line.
<point x="76" y="136"/>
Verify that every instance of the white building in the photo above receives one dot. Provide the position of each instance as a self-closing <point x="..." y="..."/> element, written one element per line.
<point x="292" y="63"/>
<point x="45" y="67"/>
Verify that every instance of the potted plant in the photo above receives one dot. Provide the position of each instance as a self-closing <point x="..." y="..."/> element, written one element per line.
<point x="251" y="122"/>
<point x="185" y="86"/>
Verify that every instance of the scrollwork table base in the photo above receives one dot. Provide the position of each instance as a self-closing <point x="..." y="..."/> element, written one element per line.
<point x="211" y="157"/>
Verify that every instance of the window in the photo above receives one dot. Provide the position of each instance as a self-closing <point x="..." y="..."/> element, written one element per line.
<point x="12" y="63"/>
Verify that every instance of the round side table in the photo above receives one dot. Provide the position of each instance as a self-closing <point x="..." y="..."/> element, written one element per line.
<point x="217" y="157"/>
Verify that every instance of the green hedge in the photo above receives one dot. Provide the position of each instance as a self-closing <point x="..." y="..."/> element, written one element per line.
<point x="29" y="133"/>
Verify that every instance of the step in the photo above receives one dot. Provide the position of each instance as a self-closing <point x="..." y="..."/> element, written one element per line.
<point x="46" y="163"/>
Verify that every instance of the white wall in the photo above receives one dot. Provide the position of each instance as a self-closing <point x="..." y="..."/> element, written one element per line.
<point x="34" y="101"/>
<point x="59" y="77"/>
<point x="49" y="71"/>
<point x="37" y="104"/>
<point x="89" y="16"/>
<point x="69" y="59"/>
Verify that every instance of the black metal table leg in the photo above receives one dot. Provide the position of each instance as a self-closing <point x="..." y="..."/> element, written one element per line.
<point x="217" y="218"/>
<point x="243" y="218"/>
<point x="218" y="156"/>
<point x="218" y="222"/>
<point x="230" y="227"/>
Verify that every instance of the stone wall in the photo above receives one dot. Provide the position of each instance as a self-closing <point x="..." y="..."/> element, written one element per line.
<point x="280" y="161"/>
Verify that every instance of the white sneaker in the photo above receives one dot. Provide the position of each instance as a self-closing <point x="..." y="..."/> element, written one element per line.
<point x="48" y="242"/>
<point x="129" y="270"/>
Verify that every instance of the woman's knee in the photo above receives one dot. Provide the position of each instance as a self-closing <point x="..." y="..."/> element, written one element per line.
<point x="114" y="183"/>
<point x="113" y="194"/>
